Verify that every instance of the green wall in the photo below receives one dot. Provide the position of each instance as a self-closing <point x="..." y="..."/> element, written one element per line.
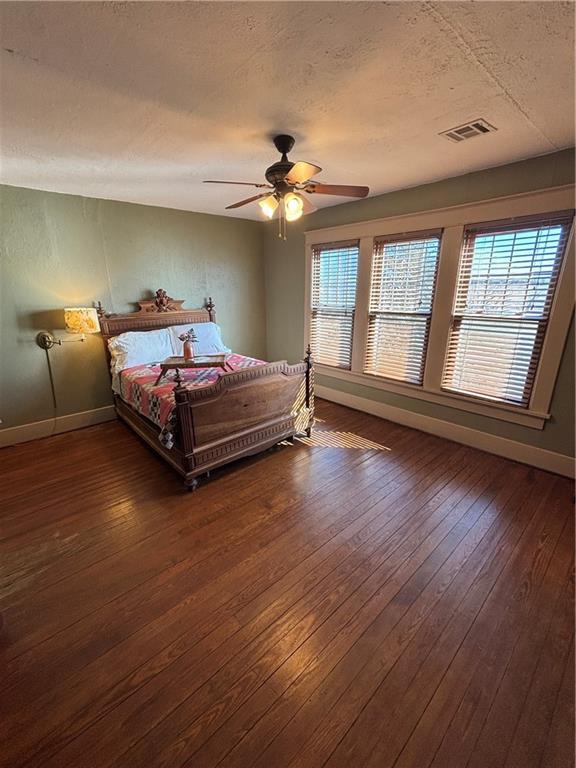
<point x="285" y="274"/>
<point x="60" y="250"/>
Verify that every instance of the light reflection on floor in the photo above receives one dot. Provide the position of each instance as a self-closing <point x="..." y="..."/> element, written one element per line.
<point x="324" y="438"/>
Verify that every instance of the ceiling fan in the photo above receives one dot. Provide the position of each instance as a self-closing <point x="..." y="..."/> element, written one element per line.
<point x="286" y="183"/>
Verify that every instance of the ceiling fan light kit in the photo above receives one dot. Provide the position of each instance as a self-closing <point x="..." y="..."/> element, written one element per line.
<point x="293" y="206"/>
<point x="269" y="205"/>
<point x="286" y="182"/>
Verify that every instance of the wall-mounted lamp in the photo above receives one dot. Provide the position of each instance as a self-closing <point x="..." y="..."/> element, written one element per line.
<point x="78" y="320"/>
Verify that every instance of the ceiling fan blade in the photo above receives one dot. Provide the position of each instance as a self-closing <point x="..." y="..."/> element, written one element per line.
<point x="301" y="172"/>
<point x="244" y="183"/>
<point x="345" y="190"/>
<point x="245" y="202"/>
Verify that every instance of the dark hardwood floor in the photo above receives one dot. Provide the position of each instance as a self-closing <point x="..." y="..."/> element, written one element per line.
<point x="377" y="597"/>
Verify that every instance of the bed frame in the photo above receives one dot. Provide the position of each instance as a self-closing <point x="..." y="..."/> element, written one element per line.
<point x="243" y="413"/>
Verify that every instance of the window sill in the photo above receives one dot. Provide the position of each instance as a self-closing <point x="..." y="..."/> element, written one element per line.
<point x="503" y="412"/>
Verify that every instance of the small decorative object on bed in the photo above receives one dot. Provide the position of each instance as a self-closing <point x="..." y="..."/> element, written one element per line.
<point x="199" y="418"/>
<point x="188" y="339"/>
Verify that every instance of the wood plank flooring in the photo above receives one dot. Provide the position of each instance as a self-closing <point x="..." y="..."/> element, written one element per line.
<point x="374" y="596"/>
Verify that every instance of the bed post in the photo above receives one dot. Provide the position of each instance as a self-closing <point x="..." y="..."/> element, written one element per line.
<point x="210" y="308"/>
<point x="185" y="429"/>
<point x="309" y="388"/>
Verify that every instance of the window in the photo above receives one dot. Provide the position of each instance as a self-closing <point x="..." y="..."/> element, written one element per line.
<point x="401" y="291"/>
<point x="333" y="294"/>
<point x="506" y="283"/>
<point x="467" y="307"/>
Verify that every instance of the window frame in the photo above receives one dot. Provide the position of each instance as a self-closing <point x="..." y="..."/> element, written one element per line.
<point x="499" y="321"/>
<point x="392" y="240"/>
<point x="320" y="247"/>
<point x="452" y="221"/>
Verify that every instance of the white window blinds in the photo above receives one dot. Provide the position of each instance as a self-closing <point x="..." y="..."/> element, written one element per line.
<point x="401" y="294"/>
<point x="507" y="278"/>
<point x="334" y="273"/>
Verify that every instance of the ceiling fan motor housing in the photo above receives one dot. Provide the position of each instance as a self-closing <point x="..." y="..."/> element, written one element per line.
<point x="275" y="173"/>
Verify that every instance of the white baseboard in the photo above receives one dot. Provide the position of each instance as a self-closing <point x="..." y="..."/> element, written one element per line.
<point x="501" y="446"/>
<point x="38" y="429"/>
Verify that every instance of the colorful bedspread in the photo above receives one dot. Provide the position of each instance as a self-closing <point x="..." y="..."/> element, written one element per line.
<point x="137" y="388"/>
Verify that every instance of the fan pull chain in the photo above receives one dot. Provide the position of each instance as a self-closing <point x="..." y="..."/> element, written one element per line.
<point x="282" y="223"/>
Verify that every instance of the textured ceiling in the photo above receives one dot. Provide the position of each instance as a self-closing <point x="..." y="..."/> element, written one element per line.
<point x="141" y="101"/>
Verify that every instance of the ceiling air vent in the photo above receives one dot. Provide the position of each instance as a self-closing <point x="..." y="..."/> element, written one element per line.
<point x="468" y="130"/>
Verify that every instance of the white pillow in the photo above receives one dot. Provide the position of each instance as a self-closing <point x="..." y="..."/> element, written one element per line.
<point x="208" y="335"/>
<point x="138" y="348"/>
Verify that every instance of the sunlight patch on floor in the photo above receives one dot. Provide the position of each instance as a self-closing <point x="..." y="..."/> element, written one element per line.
<point x="329" y="439"/>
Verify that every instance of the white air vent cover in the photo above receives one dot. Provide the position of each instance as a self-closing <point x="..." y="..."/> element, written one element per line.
<point x="468" y="130"/>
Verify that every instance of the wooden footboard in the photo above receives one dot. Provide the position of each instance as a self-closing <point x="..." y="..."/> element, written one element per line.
<point x="244" y="412"/>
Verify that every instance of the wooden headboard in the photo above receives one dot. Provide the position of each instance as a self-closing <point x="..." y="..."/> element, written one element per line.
<point x="159" y="312"/>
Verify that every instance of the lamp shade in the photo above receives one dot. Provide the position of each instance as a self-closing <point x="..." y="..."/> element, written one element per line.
<point x="81" y="320"/>
<point x="293" y="206"/>
<point x="269" y="205"/>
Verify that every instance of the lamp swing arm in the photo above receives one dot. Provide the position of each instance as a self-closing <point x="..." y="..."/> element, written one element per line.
<point x="47" y="340"/>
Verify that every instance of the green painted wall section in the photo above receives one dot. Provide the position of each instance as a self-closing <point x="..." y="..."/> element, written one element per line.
<point x="285" y="274"/>
<point x="60" y="250"/>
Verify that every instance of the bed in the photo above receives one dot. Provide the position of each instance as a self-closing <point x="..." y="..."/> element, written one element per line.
<point x="198" y="420"/>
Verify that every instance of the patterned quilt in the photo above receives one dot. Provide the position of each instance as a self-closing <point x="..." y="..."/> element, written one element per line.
<point x="137" y="388"/>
